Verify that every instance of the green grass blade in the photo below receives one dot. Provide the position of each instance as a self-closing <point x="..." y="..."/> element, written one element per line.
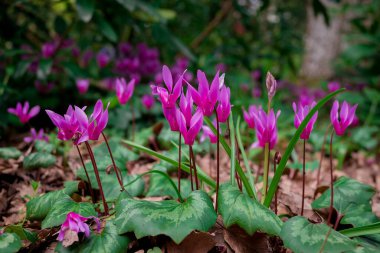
<point x="201" y="174"/>
<point x="364" y="230"/>
<point x="281" y="167"/>
<point x="245" y="158"/>
<point x="237" y="165"/>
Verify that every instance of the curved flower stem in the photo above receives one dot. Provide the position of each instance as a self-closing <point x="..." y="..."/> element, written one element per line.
<point x="303" y="176"/>
<point x="194" y="167"/>
<point x="88" y="178"/>
<point x="266" y="171"/>
<point x="217" y="161"/>
<point x="337" y="221"/>
<point x="179" y="163"/>
<point x="331" y="180"/>
<point x="97" y="177"/>
<point x="119" y="177"/>
<point x="321" y="158"/>
<point x="191" y="170"/>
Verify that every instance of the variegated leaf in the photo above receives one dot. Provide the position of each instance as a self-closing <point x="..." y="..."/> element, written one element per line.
<point x="61" y="208"/>
<point x="301" y="236"/>
<point x="238" y="208"/>
<point x="167" y="217"/>
<point x="38" y="160"/>
<point x="107" y="241"/>
<point x="9" y="243"/>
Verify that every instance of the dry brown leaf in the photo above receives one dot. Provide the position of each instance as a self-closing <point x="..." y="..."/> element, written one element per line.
<point x="241" y="242"/>
<point x="199" y="242"/>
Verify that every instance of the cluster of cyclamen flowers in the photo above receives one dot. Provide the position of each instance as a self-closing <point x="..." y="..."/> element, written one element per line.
<point x="24" y="115"/>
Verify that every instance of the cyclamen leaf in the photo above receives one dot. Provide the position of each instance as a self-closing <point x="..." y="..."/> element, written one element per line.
<point x="38" y="160"/>
<point x="85" y="9"/>
<point x="238" y="208"/>
<point x="107" y="241"/>
<point x="10" y="242"/>
<point x="169" y="217"/>
<point x="299" y="235"/>
<point x="158" y="186"/>
<point x="43" y="146"/>
<point x="23" y="233"/>
<point x="61" y="208"/>
<point x="10" y="153"/>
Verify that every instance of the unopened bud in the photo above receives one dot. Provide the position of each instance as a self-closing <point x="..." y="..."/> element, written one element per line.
<point x="271" y="85"/>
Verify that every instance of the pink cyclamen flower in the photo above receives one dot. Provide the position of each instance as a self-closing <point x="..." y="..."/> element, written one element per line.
<point x="342" y="120"/>
<point x="186" y="107"/>
<point x="76" y="223"/>
<point x="91" y="128"/>
<point x="124" y="92"/>
<point x="207" y="95"/>
<point x="191" y="130"/>
<point x="23" y="113"/>
<point x="300" y="114"/>
<point x="266" y="127"/>
<point x="102" y="59"/>
<point x="82" y="85"/>
<point x="333" y="86"/>
<point x="224" y="106"/>
<point x="68" y="125"/>
<point x="248" y="115"/>
<point x="169" y="95"/>
<point x="34" y="136"/>
<point x="48" y="49"/>
<point x="147" y="101"/>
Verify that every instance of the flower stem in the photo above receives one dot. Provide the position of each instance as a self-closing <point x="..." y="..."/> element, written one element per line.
<point x="331" y="180"/>
<point x="88" y="178"/>
<point x="303" y="177"/>
<point x="119" y="177"/>
<point x="191" y="170"/>
<point x="217" y="161"/>
<point x="321" y="159"/>
<point x="179" y="163"/>
<point x="133" y="121"/>
<point x="97" y="176"/>
<point x="266" y="171"/>
<point x="194" y="167"/>
<point x="276" y="160"/>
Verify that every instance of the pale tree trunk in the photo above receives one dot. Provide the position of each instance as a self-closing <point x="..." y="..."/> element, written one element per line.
<point x="322" y="42"/>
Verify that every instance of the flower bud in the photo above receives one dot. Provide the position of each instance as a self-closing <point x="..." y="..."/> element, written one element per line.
<point x="271" y="85"/>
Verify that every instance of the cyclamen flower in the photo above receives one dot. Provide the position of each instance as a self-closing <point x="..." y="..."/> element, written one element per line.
<point x="342" y="120"/>
<point x="102" y="59"/>
<point x="68" y="125"/>
<point x="147" y="101"/>
<point x="266" y="127"/>
<point x="34" y="136"/>
<point x="82" y="85"/>
<point x="248" y="116"/>
<point x="91" y="128"/>
<point x="76" y="223"/>
<point x="333" y="86"/>
<point x="190" y="131"/>
<point x="124" y="92"/>
<point x="206" y="96"/>
<point x="224" y="107"/>
<point x="186" y="107"/>
<point x="48" y="49"/>
<point x="23" y="113"/>
<point x="271" y="84"/>
<point x="299" y="116"/>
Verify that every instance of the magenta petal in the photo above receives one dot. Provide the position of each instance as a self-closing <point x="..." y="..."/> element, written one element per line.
<point x="34" y="111"/>
<point x="168" y="79"/>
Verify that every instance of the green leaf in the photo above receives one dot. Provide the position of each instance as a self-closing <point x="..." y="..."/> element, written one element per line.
<point x="112" y="189"/>
<point x="37" y="208"/>
<point x="107" y="241"/>
<point x="9" y="243"/>
<point x="299" y="235"/>
<point x="168" y="217"/>
<point x="43" y="146"/>
<point x="158" y="186"/>
<point x="21" y="68"/>
<point x="363" y="230"/>
<point x="44" y="68"/>
<point x="238" y="208"/>
<point x="23" y="233"/>
<point x="106" y="28"/>
<point x="281" y="167"/>
<point x="57" y="214"/>
<point x="85" y="9"/>
<point x="10" y="153"/>
<point x="201" y="174"/>
<point x="38" y="160"/>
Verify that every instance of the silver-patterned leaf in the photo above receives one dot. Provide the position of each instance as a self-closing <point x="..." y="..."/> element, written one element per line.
<point x="9" y="243"/>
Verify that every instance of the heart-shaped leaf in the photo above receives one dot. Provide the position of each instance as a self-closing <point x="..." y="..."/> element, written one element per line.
<point x="301" y="236"/>
<point x="37" y="208"/>
<point x="85" y="9"/>
<point x="43" y="146"/>
<point x="23" y="233"/>
<point x="10" y="242"/>
<point x="38" y="160"/>
<point x="10" y="153"/>
<point x="107" y="241"/>
<point x="238" y="208"/>
<point x="167" y="217"/>
<point x="61" y="208"/>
